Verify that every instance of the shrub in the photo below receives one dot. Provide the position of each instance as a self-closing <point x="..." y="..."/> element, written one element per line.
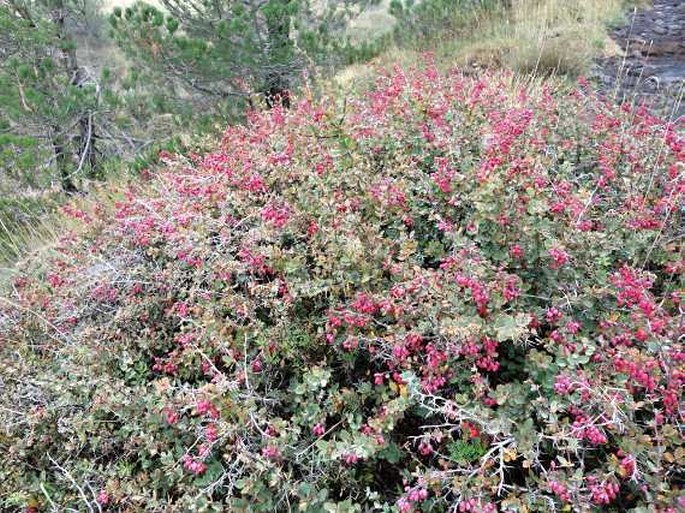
<point x="449" y="294"/>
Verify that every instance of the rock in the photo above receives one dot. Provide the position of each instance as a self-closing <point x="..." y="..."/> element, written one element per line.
<point x="634" y="70"/>
<point x="654" y="62"/>
<point x="665" y="48"/>
<point x="634" y="40"/>
<point x="651" y="84"/>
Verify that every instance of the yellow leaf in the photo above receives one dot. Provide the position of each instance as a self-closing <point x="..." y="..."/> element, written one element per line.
<point x="510" y="455"/>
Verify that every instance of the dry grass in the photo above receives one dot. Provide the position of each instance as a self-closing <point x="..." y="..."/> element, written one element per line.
<point x="26" y="225"/>
<point x="538" y="37"/>
<point x="31" y="226"/>
<point x="543" y="36"/>
<point x="371" y="23"/>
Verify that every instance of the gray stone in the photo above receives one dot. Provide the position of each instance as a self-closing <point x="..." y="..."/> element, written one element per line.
<point x="654" y="62"/>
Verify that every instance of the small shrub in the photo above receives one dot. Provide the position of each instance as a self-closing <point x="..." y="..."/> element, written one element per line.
<point x="449" y="294"/>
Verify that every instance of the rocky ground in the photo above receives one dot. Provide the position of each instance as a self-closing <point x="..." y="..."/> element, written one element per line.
<point x="652" y="67"/>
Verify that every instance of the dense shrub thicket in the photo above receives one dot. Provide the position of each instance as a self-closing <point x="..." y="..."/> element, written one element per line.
<point x="451" y="294"/>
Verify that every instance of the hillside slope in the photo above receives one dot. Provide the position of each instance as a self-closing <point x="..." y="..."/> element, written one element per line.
<point x="449" y="294"/>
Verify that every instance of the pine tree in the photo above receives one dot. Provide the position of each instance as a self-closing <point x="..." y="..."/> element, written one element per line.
<point x="48" y="101"/>
<point x="219" y="54"/>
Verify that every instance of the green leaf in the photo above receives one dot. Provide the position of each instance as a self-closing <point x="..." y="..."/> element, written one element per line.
<point x="508" y="327"/>
<point x="214" y="470"/>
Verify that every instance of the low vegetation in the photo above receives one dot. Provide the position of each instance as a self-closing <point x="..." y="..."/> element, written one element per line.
<point x="80" y="104"/>
<point x="449" y="293"/>
<point x="540" y="37"/>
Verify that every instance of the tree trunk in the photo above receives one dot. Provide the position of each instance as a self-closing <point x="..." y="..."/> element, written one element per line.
<point x="277" y="86"/>
<point x="62" y="161"/>
<point x="87" y="153"/>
